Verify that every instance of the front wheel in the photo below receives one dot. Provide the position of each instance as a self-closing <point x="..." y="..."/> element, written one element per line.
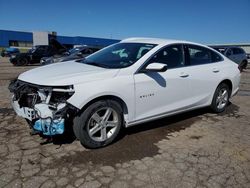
<point x="22" y="62"/>
<point x="220" y="98"/>
<point x="99" y="124"/>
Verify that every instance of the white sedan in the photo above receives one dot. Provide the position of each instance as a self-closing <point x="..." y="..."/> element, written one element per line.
<point x="128" y="83"/>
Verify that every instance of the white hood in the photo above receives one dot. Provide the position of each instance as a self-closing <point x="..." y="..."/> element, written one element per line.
<point x="66" y="73"/>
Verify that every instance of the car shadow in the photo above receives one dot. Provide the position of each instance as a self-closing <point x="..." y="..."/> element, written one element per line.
<point x="138" y="141"/>
<point x="171" y="124"/>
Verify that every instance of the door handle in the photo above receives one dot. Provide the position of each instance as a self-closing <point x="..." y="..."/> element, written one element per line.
<point x="215" y="70"/>
<point x="184" y="75"/>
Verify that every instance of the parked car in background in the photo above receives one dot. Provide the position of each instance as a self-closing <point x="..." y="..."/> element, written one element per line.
<point x="73" y="54"/>
<point x="8" y="52"/>
<point x="128" y="83"/>
<point x="248" y="57"/>
<point x="34" y="55"/>
<point x="236" y="54"/>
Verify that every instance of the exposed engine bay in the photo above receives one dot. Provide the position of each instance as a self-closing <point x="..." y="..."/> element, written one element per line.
<point x="44" y="107"/>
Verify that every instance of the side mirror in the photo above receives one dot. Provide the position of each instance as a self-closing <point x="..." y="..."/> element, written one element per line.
<point x="66" y="53"/>
<point x="156" y="67"/>
<point x="79" y="54"/>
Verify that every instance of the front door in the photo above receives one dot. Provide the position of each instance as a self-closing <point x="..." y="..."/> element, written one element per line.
<point x="162" y="92"/>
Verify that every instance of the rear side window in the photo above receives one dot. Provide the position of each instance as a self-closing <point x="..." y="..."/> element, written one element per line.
<point x="171" y="55"/>
<point x="216" y="57"/>
<point x="199" y="55"/>
<point x="237" y="51"/>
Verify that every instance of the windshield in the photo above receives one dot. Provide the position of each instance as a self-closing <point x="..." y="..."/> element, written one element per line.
<point x="119" y="55"/>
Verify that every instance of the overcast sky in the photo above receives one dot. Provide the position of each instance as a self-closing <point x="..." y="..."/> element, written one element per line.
<point x="211" y="21"/>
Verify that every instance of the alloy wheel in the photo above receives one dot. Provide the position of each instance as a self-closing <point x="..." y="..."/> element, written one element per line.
<point x="102" y="124"/>
<point x="222" y="98"/>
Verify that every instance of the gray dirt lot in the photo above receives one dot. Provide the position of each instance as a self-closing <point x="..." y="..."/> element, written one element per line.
<point x="195" y="149"/>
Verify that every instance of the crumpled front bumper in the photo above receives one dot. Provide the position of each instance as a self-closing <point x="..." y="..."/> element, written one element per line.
<point x="43" y="122"/>
<point x="45" y="107"/>
<point x="25" y="112"/>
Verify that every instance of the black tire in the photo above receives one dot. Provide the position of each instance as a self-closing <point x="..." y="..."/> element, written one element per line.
<point x="82" y="123"/>
<point x="244" y="64"/>
<point x="22" y="62"/>
<point x="215" y="102"/>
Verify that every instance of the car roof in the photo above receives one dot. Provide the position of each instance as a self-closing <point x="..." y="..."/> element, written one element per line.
<point x="85" y="47"/>
<point x="158" y="41"/>
<point x="225" y="47"/>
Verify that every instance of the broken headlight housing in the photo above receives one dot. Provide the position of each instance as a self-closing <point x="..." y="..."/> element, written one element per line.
<point x="45" y="106"/>
<point x="29" y="94"/>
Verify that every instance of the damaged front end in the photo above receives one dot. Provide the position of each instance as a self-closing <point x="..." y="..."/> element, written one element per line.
<point x="44" y="107"/>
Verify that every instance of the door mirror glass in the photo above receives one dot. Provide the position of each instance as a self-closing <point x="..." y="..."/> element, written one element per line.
<point x="79" y="54"/>
<point x="66" y="53"/>
<point x="156" y="67"/>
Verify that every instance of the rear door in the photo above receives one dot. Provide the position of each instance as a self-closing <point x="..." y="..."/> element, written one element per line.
<point x="204" y="73"/>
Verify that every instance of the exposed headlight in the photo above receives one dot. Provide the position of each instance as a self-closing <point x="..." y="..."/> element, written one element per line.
<point x="62" y="94"/>
<point x="29" y="94"/>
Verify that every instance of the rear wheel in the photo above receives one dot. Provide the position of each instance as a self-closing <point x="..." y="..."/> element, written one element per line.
<point x="221" y="98"/>
<point x="99" y="124"/>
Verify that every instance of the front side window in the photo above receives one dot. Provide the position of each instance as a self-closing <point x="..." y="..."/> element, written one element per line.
<point x="172" y="56"/>
<point x="40" y="49"/>
<point x="119" y="55"/>
<point x="229" y="52"/>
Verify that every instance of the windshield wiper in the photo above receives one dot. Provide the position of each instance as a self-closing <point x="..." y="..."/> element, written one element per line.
<point x="97" y="64"/>
<point x="83" y="60"/>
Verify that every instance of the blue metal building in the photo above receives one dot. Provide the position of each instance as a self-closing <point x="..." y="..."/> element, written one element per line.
<point x="25" y="39"/>
<point x="9" y="37"/>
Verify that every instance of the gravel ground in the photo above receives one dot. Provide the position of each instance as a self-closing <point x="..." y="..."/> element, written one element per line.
<point x="195" y="149"/>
